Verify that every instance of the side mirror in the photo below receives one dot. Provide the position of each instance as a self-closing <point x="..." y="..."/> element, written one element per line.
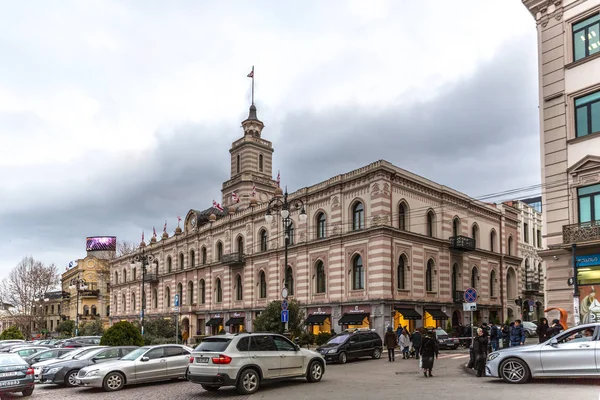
<point x="553" y="342"/>
<point x="297" y="340"/>
<point x="352" y="341"/>
<point x="297" y="348"/>
<point x="144" y="359"/>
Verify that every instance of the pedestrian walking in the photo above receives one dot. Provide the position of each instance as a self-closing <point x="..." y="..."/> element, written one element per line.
<point x="542" y="330"/>
<point x="495" y="334"/>
<point x="416" y="342"/>
<point x="429" y="350"/>
<point x="505" y="336"/>
<point x="480" y="346"/>
<point x="391" y="341"/>
<point x="405" y="344"/>
<point x="517" y="334"/>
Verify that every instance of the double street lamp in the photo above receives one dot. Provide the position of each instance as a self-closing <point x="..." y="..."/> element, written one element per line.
<point x="283" y="206"/>
<point x="144" y="259"/>
<point x="80" y="285"/>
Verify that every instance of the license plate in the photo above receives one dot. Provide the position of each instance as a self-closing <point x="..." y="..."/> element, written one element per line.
<point x="9" y="383"/>
<point x="202" y="360"/>
<point x="5" y="374"/>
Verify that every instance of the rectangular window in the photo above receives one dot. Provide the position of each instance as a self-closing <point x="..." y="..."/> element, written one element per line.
<point x="526" y="232"/>
<point x="539" y="238"/>
<point x="586" y="37"/>
<point x="589" y="203"/>
<point x="587" y="114"/>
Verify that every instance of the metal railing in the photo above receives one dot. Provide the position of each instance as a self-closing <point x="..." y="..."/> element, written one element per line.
<point x="233" y="259"/>
<point x="462" y="243"/>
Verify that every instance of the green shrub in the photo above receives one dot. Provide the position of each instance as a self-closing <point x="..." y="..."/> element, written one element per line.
<point x="66" y="328"/>
<point x="122" y="334"/>
<point x="322" y="338"/>
<point x="12" y="333"/>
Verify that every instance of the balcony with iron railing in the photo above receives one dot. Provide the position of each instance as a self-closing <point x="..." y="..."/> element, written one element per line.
<point x="462" y="243"/>
<point x="151" y="278"/>
<point x="533" y="287"/>
<point x="581" y="232"/>
<point x="233" y="259"/>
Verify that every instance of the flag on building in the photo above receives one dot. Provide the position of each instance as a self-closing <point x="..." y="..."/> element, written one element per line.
<point x="251" y="74"/>
<point x="165" y="228"/>
<point x="153" y="232"/>
<point x="142" y="236"/>
<point x="278" y="178"/>
<point x="234" y="197"/>
<point x="217" y="206"/>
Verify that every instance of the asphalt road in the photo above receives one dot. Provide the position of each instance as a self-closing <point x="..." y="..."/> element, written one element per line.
<point x="361" y="379"/>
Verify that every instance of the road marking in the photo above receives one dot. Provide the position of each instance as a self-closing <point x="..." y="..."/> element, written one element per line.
<point x="459" y="357"/>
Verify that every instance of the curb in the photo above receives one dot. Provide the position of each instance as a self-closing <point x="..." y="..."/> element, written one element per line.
<point x="469" y="370"/>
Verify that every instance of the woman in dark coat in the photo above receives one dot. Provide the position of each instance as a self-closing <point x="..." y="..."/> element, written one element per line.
<point x="542" y="330"/>
<point x="480" y="345"/>
<point x="429" y="350"/>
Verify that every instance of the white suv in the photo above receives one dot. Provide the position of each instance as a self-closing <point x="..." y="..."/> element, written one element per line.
<point x="244" y="360"/>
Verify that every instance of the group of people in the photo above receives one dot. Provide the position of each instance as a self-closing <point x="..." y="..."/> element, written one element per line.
<point x="424" y="345"/>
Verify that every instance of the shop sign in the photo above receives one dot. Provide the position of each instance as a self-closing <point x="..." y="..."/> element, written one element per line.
<point x="588" y="261"/>
<point x="357" y="310"/>
<point x="319" y="311"/>
<point x="216" y="315"/>
<point x="237" y="315"/>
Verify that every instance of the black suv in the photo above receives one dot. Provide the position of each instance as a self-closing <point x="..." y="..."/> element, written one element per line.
<point x="352" y="344"/>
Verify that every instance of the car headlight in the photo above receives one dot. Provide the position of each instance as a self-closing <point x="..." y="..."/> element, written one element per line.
<point x="493" y="356"/>
<point x="333" y="351"/>
<point x="93" y="372"/>
<point x="54" y="370"/>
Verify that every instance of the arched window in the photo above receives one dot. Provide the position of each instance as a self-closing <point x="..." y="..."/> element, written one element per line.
<point x="263" y="240"/>
<point x="124" y="303"/>
<point x="169" y="264"/>
<point x="108" y="311"/>
<point x="181" y="265"/>
<point x="94" y="310"/>
<point x="190" y="292"/>
<point x="219" y="251"/>
<point x="358" y="274"/>
<point x="116" y="278"/>
<point x="124" y="275"/>
<point x="493" y="284"/>
<point x="321" y="225"/>
<point x="493" y="240"/>
<point x="168" y="296"/>
<point x="289" y="280"/>
<point x="263" y="285"/>
<point x="133" y="305"/>
<point x="510" y="246"/>
<point x="320" y="275"/>
<point x="133" y="274"/>
<point x="474" y="278"/>
<point x="429" y="276"/>
<point x="430" y="223"/>
<point x="219" y="291"/>
<point x="239" y="289"/>
<point x="192" y="258"/>
<point x="202" y="291"/>
<point x="116" y="304"/>
<point x="291" y="233"/>
<point x="155" y="298"/>
<point x="455" y="226"/>
<point x="180" y="292"/>
<point x="401" y="273"/>
<point x="260" y="163"/>
<point x="402" y="215"/>
<point x="240" y="245"/>
<point x="475" y="234"/>
<point x="203" y="255"/>
<point x="86" y="309"/>
<point x="156" y="268"/>
<point x="454" y="278"/>
<point x="238" y="164"/>
<point x="358" y="216"/>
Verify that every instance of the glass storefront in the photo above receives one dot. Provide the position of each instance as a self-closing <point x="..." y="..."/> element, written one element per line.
<point x="434" y="318"/>
<point x="406" y="318"/>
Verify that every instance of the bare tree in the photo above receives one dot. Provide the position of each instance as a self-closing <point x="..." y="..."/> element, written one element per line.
<point x="25" y="285"/>
<point x="125" y="247"/>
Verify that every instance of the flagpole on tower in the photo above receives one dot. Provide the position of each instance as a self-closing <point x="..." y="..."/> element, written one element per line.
<point x="251" y="75"/>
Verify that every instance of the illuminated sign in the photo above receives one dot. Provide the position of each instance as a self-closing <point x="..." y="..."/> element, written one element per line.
<point x="101" y="243"/>
<point x="588" y="261"/>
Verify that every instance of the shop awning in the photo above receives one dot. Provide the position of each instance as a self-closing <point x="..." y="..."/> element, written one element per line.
<point x="409" y="313"/>
<point x="215" y="322"/>
<point x="436" y="314"/>
<point x="353" y="319"/>
<point x="316" y="319"/>
<point x="235" y="321"/>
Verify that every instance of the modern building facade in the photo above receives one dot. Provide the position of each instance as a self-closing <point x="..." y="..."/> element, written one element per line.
<point x="569" y="82"/>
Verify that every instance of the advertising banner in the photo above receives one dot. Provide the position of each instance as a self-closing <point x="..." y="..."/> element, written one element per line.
<point x="589" y="306"/>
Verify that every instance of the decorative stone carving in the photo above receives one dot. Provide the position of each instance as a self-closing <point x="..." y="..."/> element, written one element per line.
<point x="386" y="189"/>
<point x="335" y="230"/>
<point x="375" y="189"/>
<point x="227" y="235"/>
<point x="335" y="202"/>
<point x="248" y="229"/>
<point x="273" y="244"/>
<point x="302" y="236"/>
<point x="248" y="249"/>
<point x="274" y="223"/>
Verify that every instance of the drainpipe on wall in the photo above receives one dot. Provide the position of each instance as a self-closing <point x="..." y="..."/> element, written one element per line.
<point x="501" y="247"/>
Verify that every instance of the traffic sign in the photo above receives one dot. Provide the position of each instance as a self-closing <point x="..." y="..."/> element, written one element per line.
<point x="284" y="305"/>
<point x="176" y="300"/>
<point x="176" y="309"/>
<point x="285" y="315"/>
<point x="470" y="295"/>
<point x="284" y="293"/>
<point x="469" y="306"/>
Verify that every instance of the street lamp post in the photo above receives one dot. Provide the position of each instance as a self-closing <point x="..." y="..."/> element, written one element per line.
<point x="145" y="259"/>
<point x="284" y="207"/>
<point x="78" y="284"/>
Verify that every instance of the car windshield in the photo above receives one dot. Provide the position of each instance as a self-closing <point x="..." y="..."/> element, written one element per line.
<point x="87" y="354"/>
<point x="442" y="334"/>
<point x="12" y="360"/>
<point x="82" y="353"/>
<point x="68" y="355"/>
<point x="213" y="344"/>
<point x="339" y="339"/>
<point x="135" y="354"/>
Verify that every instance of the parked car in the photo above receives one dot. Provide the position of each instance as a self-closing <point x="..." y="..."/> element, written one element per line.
<point x="246" y="360"/>
<point x="37" y="367"/>
<point x="530" y="329"/>
<point x="81" y="341"/>
<point x="64" y="372"/>
<point x="27" y="351"/>
<point x="445" y="341"/>
<point x="48" y="354"/>
<point x="16" y="376"/>
<point x="571" y="353"/>
<point x="144" y="364"/>
<point x="352" y="344"/>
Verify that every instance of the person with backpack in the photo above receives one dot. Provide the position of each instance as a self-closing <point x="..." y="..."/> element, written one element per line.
<point x="495" y="336"/>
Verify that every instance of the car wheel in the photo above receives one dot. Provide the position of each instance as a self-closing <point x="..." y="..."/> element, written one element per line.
<point x="376" y="354"/>
<point x="343" y="358"/>
<point x="210" y="388"/>
<point x="248" y="382"/>
<point x="71" y="379"/>
<point x="514" y="370"/>
<point x="113" y="382"/>
<point x="27" y="392"/>
<point x="315" y="372"/>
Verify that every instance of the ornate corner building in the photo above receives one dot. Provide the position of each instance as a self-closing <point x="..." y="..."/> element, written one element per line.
<point x="569" y="84"/>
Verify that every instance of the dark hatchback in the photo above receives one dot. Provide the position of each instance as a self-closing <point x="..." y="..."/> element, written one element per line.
<point x="352" y="344"/>
<point x="445" y="341"/>
<point x="15" y="375"/>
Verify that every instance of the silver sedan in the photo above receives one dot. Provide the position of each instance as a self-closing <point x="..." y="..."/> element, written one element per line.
<point x="572" y="353"/>
<point x="145" y="364"/>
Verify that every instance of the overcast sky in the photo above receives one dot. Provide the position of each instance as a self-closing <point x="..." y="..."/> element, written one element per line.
<point x="118" y="115"/>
